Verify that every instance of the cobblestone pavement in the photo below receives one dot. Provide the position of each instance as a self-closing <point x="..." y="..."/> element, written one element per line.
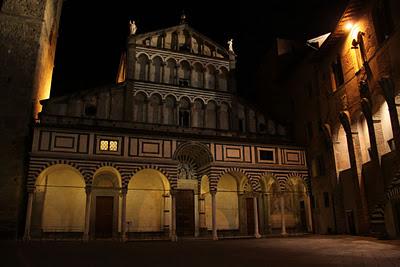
<point x="291" y="251"/>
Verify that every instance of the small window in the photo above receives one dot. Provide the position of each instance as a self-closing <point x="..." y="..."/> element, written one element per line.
<point x="337" y="74"/>
<point x="326" y="199"/>
<point x="113" y="145"/>
<point x="109" y="145"/>
<point x="266" y="155"/>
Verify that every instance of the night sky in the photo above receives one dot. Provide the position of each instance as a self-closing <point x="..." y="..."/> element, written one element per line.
<point x="93" y="33"/>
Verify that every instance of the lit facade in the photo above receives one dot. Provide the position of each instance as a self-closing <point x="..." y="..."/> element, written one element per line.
<point x="345" y="100"/>
<point x="169" y="150"/>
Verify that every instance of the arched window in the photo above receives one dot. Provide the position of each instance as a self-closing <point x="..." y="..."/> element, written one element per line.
<point x="169" y="111"/>
<point x="184" y="113"/>
<point x="210" y="77"/>
<point x="139" y="112"/>
<point x="198" y="114"/>
<point x="184" y="74"/>
<point x="174" y="41"/>
<point x="169" y="72"/>
<point x="224" y="116"/>
<point x="211" y="115"/>
<point x="223" y="79"/>
<point x="197" y="76"/>
<point x="142" y="68"/>
<point x="161" y="41"/>
<point x="154" y="109"/>
<point x="156" y="69"/>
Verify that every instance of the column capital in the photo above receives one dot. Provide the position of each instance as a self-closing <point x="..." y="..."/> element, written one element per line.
<point x="124" y="190"/>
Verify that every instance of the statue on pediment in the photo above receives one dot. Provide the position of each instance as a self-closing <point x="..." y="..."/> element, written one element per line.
<point x="132" y="27"/>
<point x="230" y="45"/>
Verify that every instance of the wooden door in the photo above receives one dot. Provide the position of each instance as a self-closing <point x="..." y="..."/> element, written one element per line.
<point x="250" y="216"/>
<point x="185" y="213"/>
<point x="104" y="216"/>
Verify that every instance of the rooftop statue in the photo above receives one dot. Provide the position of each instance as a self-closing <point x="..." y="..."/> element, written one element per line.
<point x="230" y="44"/>
<point x="132" y="27"/>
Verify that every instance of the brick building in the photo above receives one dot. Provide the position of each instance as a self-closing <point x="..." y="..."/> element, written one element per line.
<point x="343" y="105"/>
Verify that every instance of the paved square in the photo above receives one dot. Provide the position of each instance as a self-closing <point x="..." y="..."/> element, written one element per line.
<point x="270" y="252"/>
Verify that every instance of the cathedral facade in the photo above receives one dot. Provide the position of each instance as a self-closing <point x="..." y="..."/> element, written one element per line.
<point x="169" y="150"/>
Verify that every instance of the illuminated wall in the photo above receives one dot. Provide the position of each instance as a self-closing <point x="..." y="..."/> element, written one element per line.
<point x="145" y="201"/>
<point x="60" y="200"/>
<point x="227" y="203"/>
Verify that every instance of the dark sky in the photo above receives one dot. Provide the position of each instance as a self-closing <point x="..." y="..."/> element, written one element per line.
<point x="93" y="33"/>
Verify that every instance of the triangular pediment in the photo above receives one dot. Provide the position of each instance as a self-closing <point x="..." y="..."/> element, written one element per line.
<point x="182" y="37"/>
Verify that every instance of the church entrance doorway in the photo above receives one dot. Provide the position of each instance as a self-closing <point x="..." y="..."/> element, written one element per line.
<point x="185" y="213"/>
<point x="104" y="216"/>
<point x="250" y="215"/>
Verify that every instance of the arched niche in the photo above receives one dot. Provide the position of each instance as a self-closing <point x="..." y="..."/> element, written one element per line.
<point x="142" y="67"/>
<point x="169" y="111"/>
<point x="198" y="113"/>
<point x="140" y="107"/>
<point x="148" y="202"/>
<point x="227" y="203"/>
<point x="59" y="202"/>
<point x="211" y="115"/>
<point x="154" y="109"/>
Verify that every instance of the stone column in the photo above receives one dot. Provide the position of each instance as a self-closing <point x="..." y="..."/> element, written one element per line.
<point x="28" y="220"/>
<point x="123" y="215"/>
<point x="284" y="233"/>
<point x="214" y="215"/>
<point x="202" y="213"/>
<point x="389" y="93"/>
<point x="87" y="213"/>
<point x="309" y="214"/>
<point x="162" y="72"/>
<point x="367" y="111"/>
<point x="203" y="77"/>
<point x="256" y="230"/>
<point x="174" y="238"/>
<point x="166" y="221"/>
<point x="196" y="215"/>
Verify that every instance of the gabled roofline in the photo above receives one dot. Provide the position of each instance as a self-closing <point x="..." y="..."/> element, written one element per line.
<point x="187" y="27"/>
<point x="351" y="13"/>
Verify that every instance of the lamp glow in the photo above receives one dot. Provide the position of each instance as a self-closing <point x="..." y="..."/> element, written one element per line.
<point x="349" y="26"/>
